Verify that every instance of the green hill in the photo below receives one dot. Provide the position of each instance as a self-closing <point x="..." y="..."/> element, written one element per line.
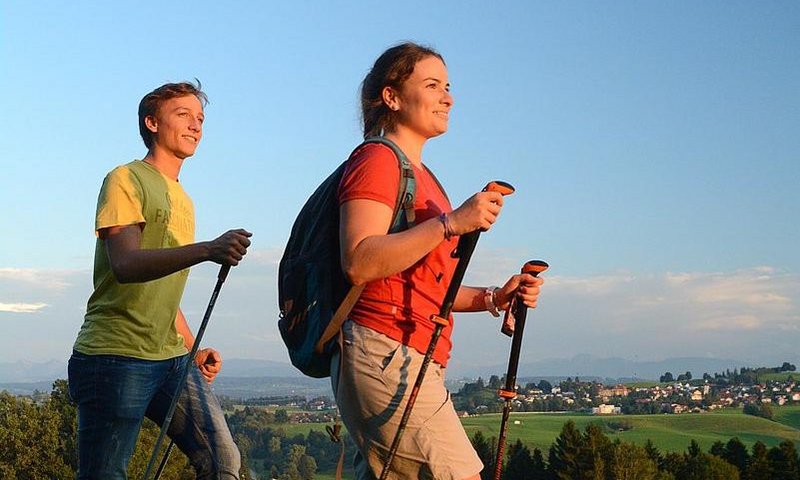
<point x="778" y="376"/>
<point x="668" y="432"/>
<point x="787" y="415"/>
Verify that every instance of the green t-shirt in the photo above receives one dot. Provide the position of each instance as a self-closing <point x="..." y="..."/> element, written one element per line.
<point x="138" y="319"/>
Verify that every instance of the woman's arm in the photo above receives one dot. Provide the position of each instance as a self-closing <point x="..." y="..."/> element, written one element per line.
<point x="523" y="285"/>
<point x="369" y="253"/>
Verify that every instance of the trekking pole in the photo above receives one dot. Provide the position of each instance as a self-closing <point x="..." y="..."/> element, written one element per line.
<point x="221" y="276"/>
<point x="517" y="311"/>
<point x="466" y="245"/>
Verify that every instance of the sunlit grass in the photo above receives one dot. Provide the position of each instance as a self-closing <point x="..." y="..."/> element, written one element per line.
<point x="667" y="432"/>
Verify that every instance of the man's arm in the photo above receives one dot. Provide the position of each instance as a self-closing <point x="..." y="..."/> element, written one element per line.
<point x="208" y="360"/>
<point x="183" y="329"/>
<point x="131" y="264"/>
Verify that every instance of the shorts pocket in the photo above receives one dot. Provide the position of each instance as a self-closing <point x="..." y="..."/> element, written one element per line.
<point x="397" y="360"/>
<point x="376" y="348"/>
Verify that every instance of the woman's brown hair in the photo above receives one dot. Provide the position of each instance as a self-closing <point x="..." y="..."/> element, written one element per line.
<point x="391" y="69"/>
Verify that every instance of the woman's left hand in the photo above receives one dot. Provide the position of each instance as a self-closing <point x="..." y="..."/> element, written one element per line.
<point x="523" y="285"/>
<point x="209" y="361"/>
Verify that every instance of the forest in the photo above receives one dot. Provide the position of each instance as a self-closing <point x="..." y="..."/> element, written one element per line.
<point x="38" y="439"/>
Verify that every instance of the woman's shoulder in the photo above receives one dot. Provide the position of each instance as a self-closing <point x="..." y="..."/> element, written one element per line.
<point x="372" y="172"/>
<point x="373" y="160"/>
<point x="376" y="154"/>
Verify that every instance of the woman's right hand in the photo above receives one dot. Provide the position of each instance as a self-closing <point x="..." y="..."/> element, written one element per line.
<point x="479" y="211"/>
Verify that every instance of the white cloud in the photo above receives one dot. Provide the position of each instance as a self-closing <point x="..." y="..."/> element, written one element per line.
<point x="42" y="278"/>
<point x="270" y="256"/>
<point x="594" y="286"/>
<point x="761" y="294"/>
<point x="22" y="307"/>
<point x="735" y="323"/>
<point x="747" y="314"/>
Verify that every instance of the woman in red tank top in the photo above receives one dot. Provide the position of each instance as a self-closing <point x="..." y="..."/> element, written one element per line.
<point x="406" y="98"/>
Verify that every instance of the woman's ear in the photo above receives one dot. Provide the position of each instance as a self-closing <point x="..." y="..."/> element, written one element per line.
<point x="390" y="98"/>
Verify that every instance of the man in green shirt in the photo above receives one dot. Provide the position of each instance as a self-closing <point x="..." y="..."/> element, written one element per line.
<point x="134" y="340"/>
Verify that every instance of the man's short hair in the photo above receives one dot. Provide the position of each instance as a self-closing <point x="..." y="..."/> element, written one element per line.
<point x="152" y="102"/>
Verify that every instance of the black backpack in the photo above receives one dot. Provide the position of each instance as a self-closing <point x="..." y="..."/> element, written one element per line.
<point x="314" y="296"/>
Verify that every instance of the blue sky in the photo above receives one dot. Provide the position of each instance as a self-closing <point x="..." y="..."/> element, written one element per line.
<point x="653" y="145"/>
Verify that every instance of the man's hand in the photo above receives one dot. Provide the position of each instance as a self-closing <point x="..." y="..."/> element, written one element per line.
<point x="230" y="247"/>
<point x="209" y="361"/>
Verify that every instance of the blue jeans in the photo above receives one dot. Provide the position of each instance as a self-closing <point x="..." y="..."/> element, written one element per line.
<point x="115" y="393"/>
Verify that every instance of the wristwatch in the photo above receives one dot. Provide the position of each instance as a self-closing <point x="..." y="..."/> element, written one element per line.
<point x="488" y="300"/>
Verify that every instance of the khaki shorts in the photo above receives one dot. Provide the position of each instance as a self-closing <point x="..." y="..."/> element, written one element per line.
<point x="376" y="377"/>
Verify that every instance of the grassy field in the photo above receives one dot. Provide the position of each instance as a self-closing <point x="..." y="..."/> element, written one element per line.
<point x="788" y="415"/>
<point x="779" y="377"/>
<point x="668" y="432"/>
<point x="332" y="476"/>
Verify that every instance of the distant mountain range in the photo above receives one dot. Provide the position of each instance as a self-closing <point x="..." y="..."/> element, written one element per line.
<point x="238" y="367"/>
<point x="243" y="377"/>
<point x="30" y="372"/>
<point x="24" y="371"/>
<point x="605" y="368"/>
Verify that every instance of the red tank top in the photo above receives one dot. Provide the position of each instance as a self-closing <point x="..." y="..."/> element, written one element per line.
<point x="401" y="305"/>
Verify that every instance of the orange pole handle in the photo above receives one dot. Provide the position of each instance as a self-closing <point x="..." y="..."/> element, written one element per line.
<point x="503" y="188"/>
<point x="535" y="267"/>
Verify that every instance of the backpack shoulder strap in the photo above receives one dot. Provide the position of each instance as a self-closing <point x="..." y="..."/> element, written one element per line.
<point x="339" y="316"/>
<point x="406" y="191"/>
<point x="403" y="219"/>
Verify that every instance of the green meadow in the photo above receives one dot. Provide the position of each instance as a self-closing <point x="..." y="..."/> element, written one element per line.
<point x="668" y="432"/>
<point x="779" y="376"/>
<point x="788" y="415"/>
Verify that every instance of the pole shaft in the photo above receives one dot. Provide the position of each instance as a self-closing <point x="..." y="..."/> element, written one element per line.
<point x="501" y="441"/>
<point x="466" y="245"/>
<point x="221" y="276"/>
<point x="520" y="313"/>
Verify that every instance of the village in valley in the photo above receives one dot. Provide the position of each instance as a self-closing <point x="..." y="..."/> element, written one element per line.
<point x="753" y="389"/>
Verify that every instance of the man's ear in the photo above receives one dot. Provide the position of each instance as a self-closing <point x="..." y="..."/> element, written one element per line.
<point x="151" y="123"/>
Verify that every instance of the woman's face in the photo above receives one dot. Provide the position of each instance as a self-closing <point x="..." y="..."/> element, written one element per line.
<point x="424" y="101"/>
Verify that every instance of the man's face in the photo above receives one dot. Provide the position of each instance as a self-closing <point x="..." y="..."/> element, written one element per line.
<point x="178" y="126"/>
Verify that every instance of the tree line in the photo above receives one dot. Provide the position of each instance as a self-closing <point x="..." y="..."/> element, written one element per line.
<point x="743" y="376"/>
<point x="271" y="452"/>
<point x="591" y="455"/>
<point x="39" y="442"/>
